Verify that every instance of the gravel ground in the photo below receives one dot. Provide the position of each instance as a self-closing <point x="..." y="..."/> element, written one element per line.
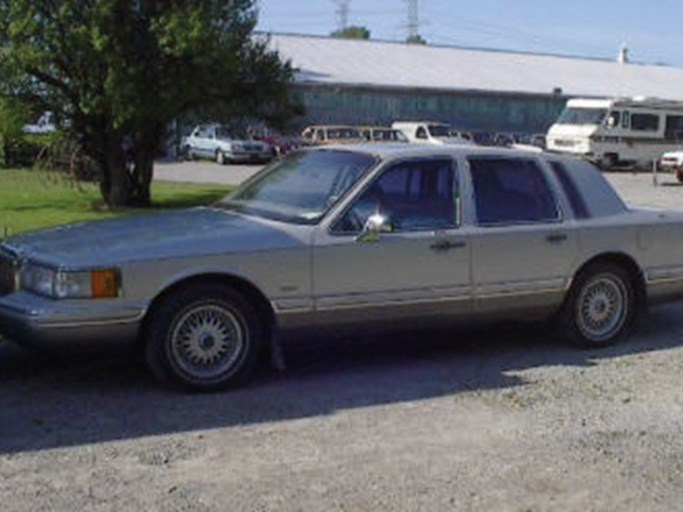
<point x="504" y="419"/>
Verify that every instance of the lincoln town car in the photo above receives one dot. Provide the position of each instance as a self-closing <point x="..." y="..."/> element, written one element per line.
<point x="335" y="236"/>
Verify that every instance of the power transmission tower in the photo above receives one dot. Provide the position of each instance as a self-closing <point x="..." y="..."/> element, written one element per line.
<point x="342" y="13"/>
<point x="413" y="23"/>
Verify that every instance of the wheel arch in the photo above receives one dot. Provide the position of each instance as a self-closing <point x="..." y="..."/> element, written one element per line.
<point x="629" y="264"/>
<point x="250" y="292"/>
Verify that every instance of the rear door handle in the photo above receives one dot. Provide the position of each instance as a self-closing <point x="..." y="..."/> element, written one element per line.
<point x="556" y="238"/>
<point x="447" y="245"/>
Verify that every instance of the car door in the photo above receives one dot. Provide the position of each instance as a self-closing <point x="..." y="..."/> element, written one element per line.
<point x="523" y="249"/>
<point x="419" y="266"/>
<point x="200" y="141"/>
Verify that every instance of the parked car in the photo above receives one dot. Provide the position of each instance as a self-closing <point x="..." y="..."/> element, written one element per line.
<point x="217" y="142"/>
<point x="336" y="134"/>
<point x="672" y="161"/>
<point x="347" y="236"/>
<point x="431" y="132"/>
<point x="279" y="144"/>
<point x="46" y="123"/>
<point x="382" y="134"/>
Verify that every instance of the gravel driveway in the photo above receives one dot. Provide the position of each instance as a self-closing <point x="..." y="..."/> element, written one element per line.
<point x="496" y="419"/>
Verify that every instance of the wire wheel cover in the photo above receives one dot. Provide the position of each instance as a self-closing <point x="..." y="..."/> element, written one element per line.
<point x="602" y="307"/>
<point x="207" y="341"/>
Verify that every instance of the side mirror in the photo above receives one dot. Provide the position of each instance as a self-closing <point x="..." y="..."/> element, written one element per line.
<point x="374" y="227"/>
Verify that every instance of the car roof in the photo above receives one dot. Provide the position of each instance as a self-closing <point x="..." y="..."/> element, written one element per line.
<point x="388" y="151"/>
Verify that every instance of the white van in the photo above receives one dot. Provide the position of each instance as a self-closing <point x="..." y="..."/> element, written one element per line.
<point x="610" y="132"/>
<point x="430" y="132"/>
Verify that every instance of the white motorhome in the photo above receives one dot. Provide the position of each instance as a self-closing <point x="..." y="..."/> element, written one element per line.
<point x="430" y="132"/>
<point x="609" y="132"/>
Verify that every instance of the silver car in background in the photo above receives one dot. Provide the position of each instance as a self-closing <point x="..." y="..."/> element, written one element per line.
<point x="333" y="236"/>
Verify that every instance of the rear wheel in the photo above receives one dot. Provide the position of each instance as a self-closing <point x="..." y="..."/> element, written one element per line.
<point x="609" y="161"/>
<point x="203" y="338"/>
<point x="679" y="175"/>
<point x="600" y="307"/>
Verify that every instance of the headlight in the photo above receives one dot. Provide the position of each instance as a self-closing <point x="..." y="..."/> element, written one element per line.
<point x="66" y="284"/>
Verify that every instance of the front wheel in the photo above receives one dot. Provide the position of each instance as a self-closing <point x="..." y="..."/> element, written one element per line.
<point x="203" y="338"/>
<point x="600" y="306"/>
<point x="221" y="158"/>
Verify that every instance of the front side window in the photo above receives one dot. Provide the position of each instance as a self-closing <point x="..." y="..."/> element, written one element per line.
<point x="439" y="130"/>
<point x="614" y="118"/>
<point x="412" y="195"/>
<point x="421" y="133"/>
<point x="511" y="191"/>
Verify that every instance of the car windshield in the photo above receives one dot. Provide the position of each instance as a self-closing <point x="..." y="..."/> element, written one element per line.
<point x="582" y="116"/>
<point x="300" y="188"/>
<point x="439" y="130"/>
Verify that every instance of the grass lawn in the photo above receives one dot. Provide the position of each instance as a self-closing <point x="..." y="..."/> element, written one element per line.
<point x="31" y="199"/>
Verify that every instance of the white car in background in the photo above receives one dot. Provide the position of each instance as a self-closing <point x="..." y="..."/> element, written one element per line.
<point x="431" y="132"/>
<point x="672" y="161"/>
<point x="217" y="142"/>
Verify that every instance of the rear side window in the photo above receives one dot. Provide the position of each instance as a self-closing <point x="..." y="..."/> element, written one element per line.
<point x="597" y="194"/>
<point x="510" y="191"/>
<point x="571" y="191"/>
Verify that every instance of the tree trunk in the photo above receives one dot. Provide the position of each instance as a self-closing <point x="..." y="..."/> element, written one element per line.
<point x="116" y="183"/>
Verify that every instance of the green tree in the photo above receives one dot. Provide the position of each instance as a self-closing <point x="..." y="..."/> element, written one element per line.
<point x="353" y="32"/>
<point x="14" y="114"/>
<point x="416" y="39"/>
<point x="118" y="71"/>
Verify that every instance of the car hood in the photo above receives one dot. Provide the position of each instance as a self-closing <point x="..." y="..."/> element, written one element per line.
<point x="186" y="233"/>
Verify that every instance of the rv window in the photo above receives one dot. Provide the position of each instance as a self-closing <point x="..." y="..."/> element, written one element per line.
<point x="645" y="122"/>
<point x="674" y="128"/>
<point x="613" y="119"/>
<point x="582" y="116"/>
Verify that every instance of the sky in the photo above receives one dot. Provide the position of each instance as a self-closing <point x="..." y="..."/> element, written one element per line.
<point x="651" y="30"/>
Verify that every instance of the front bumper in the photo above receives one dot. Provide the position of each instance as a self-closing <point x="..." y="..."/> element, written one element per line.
<point x="44" y="323"/>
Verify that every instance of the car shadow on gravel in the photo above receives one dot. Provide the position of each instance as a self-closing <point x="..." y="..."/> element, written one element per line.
<point x="50" y="402"/>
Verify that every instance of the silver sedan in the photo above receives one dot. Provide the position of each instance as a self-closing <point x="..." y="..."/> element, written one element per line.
<point x="347" y="236"/>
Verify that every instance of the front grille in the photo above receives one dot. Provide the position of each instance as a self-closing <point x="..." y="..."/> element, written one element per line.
<point x="7" y="274"/>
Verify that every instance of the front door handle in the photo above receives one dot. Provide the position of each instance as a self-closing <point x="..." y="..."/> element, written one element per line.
<point x="556" y="238"/>
<point x="446" y="245"/>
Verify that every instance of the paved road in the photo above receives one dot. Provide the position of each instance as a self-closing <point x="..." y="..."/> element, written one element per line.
<point x="203" y="172"/>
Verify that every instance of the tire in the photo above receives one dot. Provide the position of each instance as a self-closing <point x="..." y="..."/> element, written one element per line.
<point x="221" y="159"/>
<point x="600" y="307"/>
<point x="203" y="338"/>
<point x="609" y="161"/>
<point x="679" y="175"/>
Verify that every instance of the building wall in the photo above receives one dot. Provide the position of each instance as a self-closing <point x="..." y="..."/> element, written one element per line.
<point x="463" y="110"/>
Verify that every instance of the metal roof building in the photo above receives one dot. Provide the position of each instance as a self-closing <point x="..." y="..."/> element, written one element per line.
<point x="365" y="81"/>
